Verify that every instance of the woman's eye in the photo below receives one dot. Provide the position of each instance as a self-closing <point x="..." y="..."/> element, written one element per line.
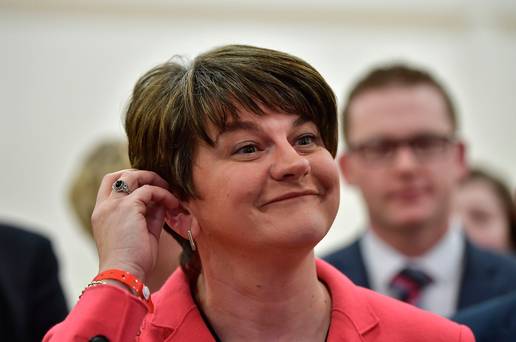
<point x="307" y="139"/>
<point x="247" y="149"/>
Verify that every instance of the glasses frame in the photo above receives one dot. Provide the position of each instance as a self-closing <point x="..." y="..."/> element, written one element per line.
<point x="436" y="145"/>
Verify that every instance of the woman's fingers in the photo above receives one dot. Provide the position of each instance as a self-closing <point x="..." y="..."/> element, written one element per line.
<point x="131" y="179"/>
<point x="127" y="222"/>
<point x="106" y="184"/>
<point x="155" y="219"/>
<point x="151" y="194"/>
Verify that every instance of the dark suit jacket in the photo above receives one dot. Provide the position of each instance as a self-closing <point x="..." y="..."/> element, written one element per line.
<point x="485" y="274"/>
<point x="31" y="298"/>
<point x="494" y="320"/>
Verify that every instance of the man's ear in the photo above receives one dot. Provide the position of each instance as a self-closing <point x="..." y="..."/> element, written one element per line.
<point x="462" y="159"/>
<point x="180" y="221"/>
<point x="346" y="168"/>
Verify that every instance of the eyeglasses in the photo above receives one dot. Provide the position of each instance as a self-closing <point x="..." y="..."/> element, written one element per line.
<point x="382" y="151"/>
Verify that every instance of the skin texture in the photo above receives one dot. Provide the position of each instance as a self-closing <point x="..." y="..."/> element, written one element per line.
<point x="483" y="215"/>
<point x="268" y="193"/>
<point x="408" y="199"/>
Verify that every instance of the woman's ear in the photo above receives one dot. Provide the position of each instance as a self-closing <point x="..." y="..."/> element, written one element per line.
<point x="180" y="221"/>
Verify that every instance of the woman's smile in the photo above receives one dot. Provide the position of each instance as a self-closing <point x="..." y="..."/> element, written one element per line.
<point x="294" y="195"/>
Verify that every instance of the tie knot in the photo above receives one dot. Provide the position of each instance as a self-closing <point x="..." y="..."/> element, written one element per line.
<point x="408" y="284"/>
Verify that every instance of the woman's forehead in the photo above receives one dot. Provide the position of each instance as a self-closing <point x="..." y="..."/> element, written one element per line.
<point x="246" y="119"/>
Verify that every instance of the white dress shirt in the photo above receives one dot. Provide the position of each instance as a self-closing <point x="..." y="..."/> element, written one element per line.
<point x="443" y="263"/>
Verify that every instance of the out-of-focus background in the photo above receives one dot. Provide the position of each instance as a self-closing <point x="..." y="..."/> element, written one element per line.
<point x="67" y="69"/>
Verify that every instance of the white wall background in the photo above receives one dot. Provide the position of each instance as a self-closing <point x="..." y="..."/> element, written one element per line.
<point x="67" y="68"/>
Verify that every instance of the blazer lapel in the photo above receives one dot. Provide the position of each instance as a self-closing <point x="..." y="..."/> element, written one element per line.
<point x="352" y="317"/>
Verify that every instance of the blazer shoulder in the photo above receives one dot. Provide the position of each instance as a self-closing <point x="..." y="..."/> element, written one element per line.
<point x="28" y="247"/>
<point x="346" y="254"/>
<point x="349" y="260"/>
<point x="486" y="275"/>
<point x="492" y="259"/>
<point x="493" y="320"/>
<point x="13" y="235"/>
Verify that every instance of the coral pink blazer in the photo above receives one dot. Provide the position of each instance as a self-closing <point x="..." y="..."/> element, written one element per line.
<point x="357" y="314"/>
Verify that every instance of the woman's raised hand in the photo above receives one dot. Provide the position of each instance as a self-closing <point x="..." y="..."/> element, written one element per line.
<point x="127" y="224"/>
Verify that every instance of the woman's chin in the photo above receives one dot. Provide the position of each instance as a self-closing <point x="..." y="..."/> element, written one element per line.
<point x="306" y="238"/>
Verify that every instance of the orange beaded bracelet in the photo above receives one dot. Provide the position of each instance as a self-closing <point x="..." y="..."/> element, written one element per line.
<point x="129" y="280"/>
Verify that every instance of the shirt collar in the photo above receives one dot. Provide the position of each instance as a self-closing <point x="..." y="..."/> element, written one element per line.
<point x="383" y="262"/>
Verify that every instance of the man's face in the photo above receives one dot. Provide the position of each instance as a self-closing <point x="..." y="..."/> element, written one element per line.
<point x="402" y="156"/>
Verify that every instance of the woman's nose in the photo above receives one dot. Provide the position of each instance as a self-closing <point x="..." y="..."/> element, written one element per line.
<point x="289" y="164"/>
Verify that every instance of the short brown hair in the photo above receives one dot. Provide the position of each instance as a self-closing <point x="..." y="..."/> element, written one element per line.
<point x="396" y="75"/>
<point x="173" y="104"/>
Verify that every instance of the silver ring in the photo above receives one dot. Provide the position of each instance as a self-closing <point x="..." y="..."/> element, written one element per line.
<point x="120" y="186"/>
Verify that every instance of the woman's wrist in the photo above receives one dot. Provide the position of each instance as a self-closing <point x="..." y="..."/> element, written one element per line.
<point x="124" y="279"/>
<point x="119" y="285"/>
<point x="134" y="270"/>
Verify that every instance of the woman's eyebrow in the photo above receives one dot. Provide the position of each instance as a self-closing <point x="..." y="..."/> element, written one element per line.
<point x="237" y="126"/>
<point x="251" y="126"/>
<point x="300" y="121"/>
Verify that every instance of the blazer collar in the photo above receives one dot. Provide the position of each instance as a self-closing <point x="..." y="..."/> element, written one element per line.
<point x="176" y="314"/>
<point x="351" y="314"/>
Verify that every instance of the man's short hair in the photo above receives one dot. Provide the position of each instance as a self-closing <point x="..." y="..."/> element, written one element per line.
<point x="396" y="75"/>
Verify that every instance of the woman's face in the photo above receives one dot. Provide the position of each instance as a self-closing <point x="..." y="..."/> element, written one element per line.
<point x="483" y="215"/>
<point x="268" y="183"/>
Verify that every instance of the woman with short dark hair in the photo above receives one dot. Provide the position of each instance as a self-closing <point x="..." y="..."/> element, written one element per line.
<point x="233" y="153"/>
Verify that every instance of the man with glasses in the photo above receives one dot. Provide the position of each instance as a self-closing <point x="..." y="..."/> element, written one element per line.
<point x="405" y="157"/>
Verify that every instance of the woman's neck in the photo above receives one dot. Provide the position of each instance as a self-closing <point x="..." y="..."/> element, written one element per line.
<point x="276" y="303"/>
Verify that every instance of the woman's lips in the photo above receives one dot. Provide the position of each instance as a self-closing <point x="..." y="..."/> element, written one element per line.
<point x="290" y="195"/>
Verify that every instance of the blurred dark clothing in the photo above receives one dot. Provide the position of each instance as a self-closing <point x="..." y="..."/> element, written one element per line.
<point x="31" y="297"/>
<point x="494" y="320"/>
<point x="485" y="275"/>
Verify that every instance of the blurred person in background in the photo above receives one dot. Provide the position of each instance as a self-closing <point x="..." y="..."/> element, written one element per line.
<point x="107" y="156"/>
<point x="486" y="199"/>
<point x="31" y="297"/>
<point x="405" y="157"/>
<point x="484" y="203"/>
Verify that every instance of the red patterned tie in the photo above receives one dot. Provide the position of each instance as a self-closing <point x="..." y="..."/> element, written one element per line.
<point x="408" y="284"/>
